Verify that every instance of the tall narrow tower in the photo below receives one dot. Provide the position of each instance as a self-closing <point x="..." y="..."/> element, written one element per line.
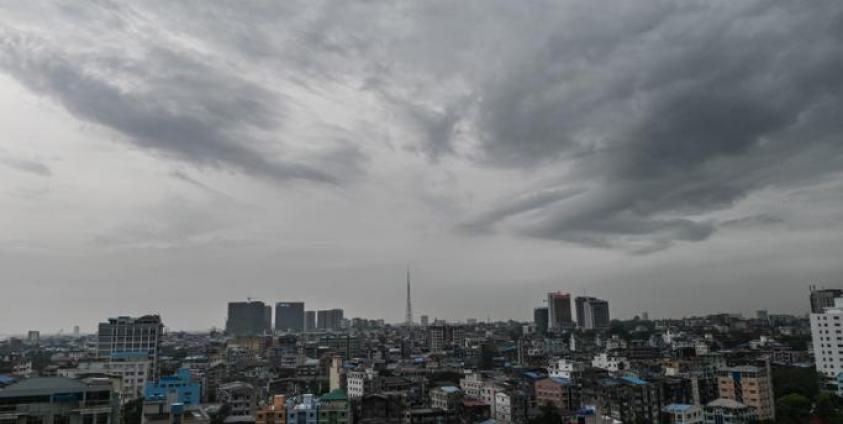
<point x="409" y="318"/>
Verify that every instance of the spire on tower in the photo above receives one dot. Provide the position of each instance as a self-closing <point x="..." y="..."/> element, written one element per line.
<point x="409" y="318"/>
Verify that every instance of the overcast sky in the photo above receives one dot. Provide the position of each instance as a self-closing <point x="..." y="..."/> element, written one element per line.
<point x="677" y="157"/>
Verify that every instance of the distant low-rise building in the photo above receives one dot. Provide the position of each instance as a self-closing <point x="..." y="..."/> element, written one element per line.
<point x="179" y="386"/>
<point x="274" y="413"/>
<point x="334" y="408"/>
<point x="240" y="397"/>
<point x="446" y="397"/>
<point x="303" y="409"/>
<point x="751" y="386"/>
<point x="720" y="411"/>
<point x="557" y="392"/>
<point x="680" y="413"/>
<point x="60" y="400"/>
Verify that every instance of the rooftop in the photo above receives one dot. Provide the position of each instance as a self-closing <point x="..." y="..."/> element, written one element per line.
<point x="50" y="385"/>
<point x="675" y="408"/>
<point x="336" y="395"/>
<point x="726" y="403"/>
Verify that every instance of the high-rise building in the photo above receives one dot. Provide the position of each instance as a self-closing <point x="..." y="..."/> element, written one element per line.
<point x="126" y="338"/>
<point x="424" y="320"/>
<point x="408" y="319"/>
<point x="329" y="319"/>
<point x="750" y="385"/>
<point x="335" y="317"/>
<point x="322" y="319"/>
<point x="267" y="319"/>
<point x="559" y="311"/>
<point x="540" y="318"/>
<point x="309" y="320"/>
<point x="246" y="318"/>
<point x="828" y="344"/>
<point x="592" y="313"/>
<point x="823" y="298"/>
<point x="289" y="316"/>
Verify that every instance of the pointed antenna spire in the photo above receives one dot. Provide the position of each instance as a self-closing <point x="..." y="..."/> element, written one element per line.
<point x="409" y="318"/>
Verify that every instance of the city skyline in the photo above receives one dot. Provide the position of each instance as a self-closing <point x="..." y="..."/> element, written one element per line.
<point x="165" y="157"/>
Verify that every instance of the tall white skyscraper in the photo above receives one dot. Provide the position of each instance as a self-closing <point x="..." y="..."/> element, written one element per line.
<point x="827" y="338"/>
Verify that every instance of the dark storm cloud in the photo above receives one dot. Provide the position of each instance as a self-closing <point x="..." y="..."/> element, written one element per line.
<point x="682" y="114"/>
<point x="650" y="116"/>
<point x="167" y="103"/>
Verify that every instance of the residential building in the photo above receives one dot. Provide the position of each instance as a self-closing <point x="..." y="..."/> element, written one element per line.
<point x="565" y="368"/>
<point x="558" y="392"/>
<point x="126" y="338"/>
<point x="329" y="319"/>
<point x="626" y="399"/>
<point x="447" y="398"/>
<point x="472" y="384"/>
<point x="162" y="411"/>
<point x="362" y="382"/>
<point x="241" y="398"/>
<point x="681" y="413"/>
<point x="60" y="400"/>
<point x="540" y="319"/>
<point x="289" y="316"/>
<point x="247" y="318"/>
<point x="179" y="387"/>
<point x="592" y="313"/>
<point x="721" y="411"/>
<point x="303" y="409"/>
<point x="134" y="371"/>
<point x="335" y="408"/>
<point x="751" y="386"/>
<point x="559" y="311"/>
<point x="823" y="298"/>
<point x="309" y="320"/>
<point x="442" y="335"/>
<point x="274" y="413"/>
<point x="827" y="340"/>
<point x="511" y="407"/>
<point x="610" y="362"/>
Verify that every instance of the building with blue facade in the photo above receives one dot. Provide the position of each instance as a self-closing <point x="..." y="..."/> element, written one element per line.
<point x="174" y="388"/>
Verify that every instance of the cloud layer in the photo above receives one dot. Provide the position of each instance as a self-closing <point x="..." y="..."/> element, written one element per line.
<point x="632" y="125"/>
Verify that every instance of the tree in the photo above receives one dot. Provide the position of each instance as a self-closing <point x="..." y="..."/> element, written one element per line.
<point x="787" y="380"/>
<point x="547" y="415"/>
<point x="827" y="408"/>
<point x="132" y="411"/>
<point x="792" y="409"/>
<point x="219" y="416"/>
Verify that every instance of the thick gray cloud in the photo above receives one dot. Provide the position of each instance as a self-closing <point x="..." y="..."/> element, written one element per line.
<point x="656" y="112"/>
<point x="503" y="141"/>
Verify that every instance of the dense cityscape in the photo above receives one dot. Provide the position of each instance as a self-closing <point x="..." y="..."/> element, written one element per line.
<point x="571" y="364"/>
<point x="421" y="212"/>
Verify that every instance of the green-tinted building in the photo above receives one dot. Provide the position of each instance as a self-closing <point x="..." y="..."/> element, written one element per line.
<point x="334" y="408"/>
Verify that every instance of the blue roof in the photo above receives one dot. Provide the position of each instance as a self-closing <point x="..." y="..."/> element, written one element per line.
<point x="534" y="375"/>
<point x="450" y="389"/>
<point x="5" y="379"/>
<point x="629" y="378"/>
<point x="561" y="380"/>
<point x="677" y="407"/>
